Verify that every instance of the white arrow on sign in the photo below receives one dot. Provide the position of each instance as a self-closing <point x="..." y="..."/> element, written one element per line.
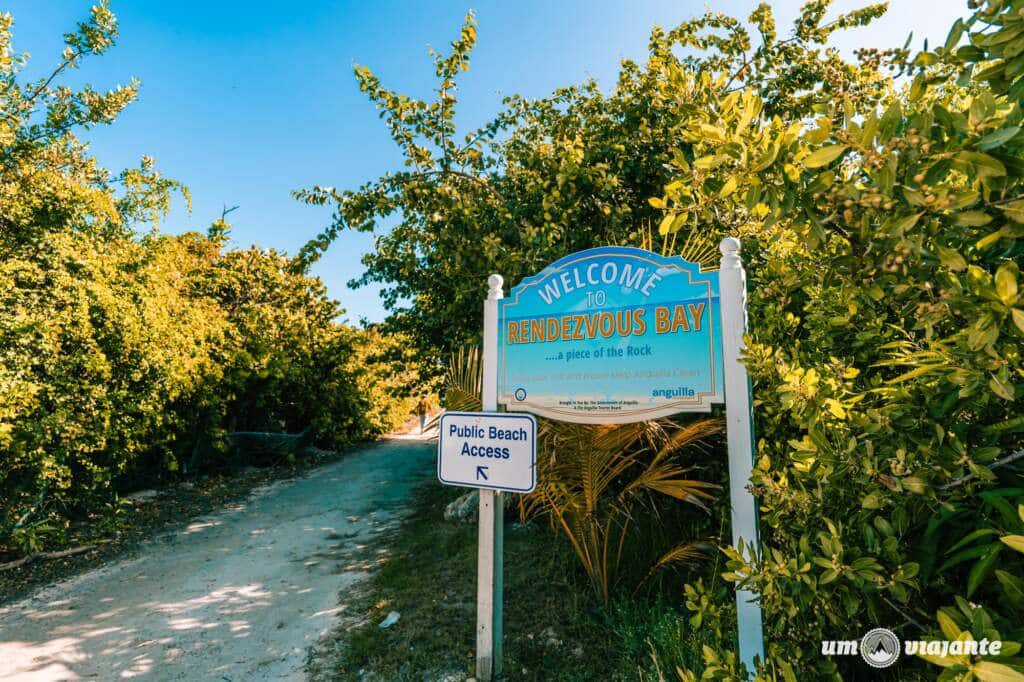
<point x="494" y="450"/>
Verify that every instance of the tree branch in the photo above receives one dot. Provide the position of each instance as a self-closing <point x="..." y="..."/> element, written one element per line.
<point x="31" y="99"/>
<point x="910" y="619"/>
<point x="36" y="556"/>
<point x="1012" y="457"/>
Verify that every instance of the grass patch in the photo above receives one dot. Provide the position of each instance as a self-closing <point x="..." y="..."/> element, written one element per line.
<point x="553" y="629"/>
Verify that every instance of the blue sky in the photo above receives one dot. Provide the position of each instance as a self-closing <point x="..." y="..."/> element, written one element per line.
<point x="246" y="101"/>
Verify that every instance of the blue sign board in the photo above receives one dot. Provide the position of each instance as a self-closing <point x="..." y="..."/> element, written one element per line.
<point x="611" y="335"/>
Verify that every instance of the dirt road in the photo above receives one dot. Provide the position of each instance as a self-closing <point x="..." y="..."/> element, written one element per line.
<point x="236" y="596"/>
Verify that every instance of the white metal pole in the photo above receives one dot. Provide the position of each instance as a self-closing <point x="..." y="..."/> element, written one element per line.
<point x="490" y="558"/>
<point x="732" y="281"/>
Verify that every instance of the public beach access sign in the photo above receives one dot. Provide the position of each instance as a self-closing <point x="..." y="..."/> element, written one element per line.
<point x="612" y="335"/>
<point x="492" y="450"/>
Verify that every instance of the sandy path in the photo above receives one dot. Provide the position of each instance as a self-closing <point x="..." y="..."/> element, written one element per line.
<point x="239" y="595"/>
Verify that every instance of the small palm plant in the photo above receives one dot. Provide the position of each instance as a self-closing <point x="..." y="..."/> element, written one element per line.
<point x="600" y="485"/>
<point x="604" y="486"/>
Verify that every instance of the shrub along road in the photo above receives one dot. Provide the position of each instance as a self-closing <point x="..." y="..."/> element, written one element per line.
<point x="237" y="595"/>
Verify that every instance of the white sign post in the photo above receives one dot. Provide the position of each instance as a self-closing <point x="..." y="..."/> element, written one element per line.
<point x="490" y="578"/>
<point x="732" y="282"/>
<point x="493" y="451"/>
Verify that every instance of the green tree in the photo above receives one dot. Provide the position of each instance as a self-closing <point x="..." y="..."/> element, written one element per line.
<point x="128" y="357"/>
<point x="550" y="176"/>
<point x="48" y="181"/>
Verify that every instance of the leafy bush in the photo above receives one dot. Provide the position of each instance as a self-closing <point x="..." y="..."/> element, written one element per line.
<point x="882" y="222"/>
<point x="884" y="249"/>
<point x="126" y="358"/>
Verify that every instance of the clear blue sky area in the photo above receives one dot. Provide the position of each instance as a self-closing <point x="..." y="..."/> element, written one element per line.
<point x="246" y="101"/>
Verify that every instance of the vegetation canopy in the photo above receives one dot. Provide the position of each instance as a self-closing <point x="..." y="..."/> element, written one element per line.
<point x="128" y="357"/>
<point x="880" y="208"/>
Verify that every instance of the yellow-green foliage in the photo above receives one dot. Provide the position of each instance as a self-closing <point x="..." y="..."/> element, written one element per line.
<point x="884" y="238"/>
<point x="97" y="340"/>
<point x="385" y="367"/>
<point x="127" y="357"/>
<point x="881" y="211"/>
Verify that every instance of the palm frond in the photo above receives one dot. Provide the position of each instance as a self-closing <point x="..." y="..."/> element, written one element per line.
<point x="463" y="383"/>
<point x="598" y="485"/>
<point x="699" y="247"/>
<point x="464" y="380"/>
<point x="668" y="480"/>
<point x="690" y="551"/>
<point x="693" y="434"/>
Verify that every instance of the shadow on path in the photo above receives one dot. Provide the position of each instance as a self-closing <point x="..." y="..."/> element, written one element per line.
<point x="239" y="595"/>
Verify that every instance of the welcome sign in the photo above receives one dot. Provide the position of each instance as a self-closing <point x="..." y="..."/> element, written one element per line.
<point x="612" y="335"/>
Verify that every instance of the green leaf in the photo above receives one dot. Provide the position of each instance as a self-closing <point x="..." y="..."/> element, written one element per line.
<point x="973" y="218"/>
<point x="961" y="200"/>
<point x="965" y="555"/>
<point x="990" y="239"/>
<point x="998" y="138"/>
<point x="906" y="222"/>
<point x="1006" y="282"/>
<point x="871" y="501"/>
<point x="971" y="537"/>
<point x="984" y="165"/>
<point x="939" y="660"/>
<point x="908" y="571"/>
<point x="982" y="333"/>
<point x="1013" y="587"/>
<point x="666" y="224"/>
<point x="836" y="408"/>
<point x="672" y="222"/>
<point x="981" y="570"/>
<point x="917" y="88"/>
<point x="729" y="187"/>
<point x="824" y="156"/>
<point x="1018" y="318"/>
<point x="767" y="158"/>
<point x="914" y="484"/>
<point x="1014" y="210"/>
<point x="955" y="33"/>
<point x="914" y="197"/>
<point x="948" y="626"/>
<point x="828" y="576"/>
<point x="989" y="671"/>
<point x="712" y="132"/>
<point x="951" y="258"/>
<point x="709" y="162"/>
<point x="787" y="671"/>
<point x="1003" y="389"/>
